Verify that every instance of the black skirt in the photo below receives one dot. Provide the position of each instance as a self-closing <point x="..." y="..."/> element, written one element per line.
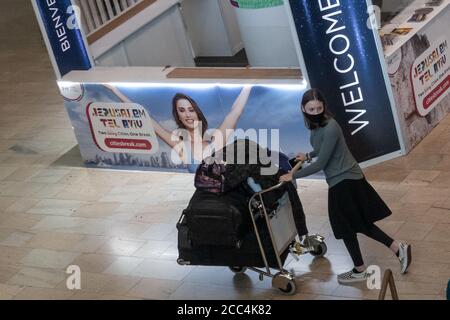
<point x="353" y="207"/>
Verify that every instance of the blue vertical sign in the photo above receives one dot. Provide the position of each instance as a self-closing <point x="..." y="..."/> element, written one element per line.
<point x="64" y="38"/>
<point x="341" y="57"/>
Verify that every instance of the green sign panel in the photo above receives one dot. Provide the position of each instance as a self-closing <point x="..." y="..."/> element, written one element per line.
<point x="256" y="4"/>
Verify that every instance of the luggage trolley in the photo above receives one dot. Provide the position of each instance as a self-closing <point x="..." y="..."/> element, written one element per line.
<point x="282" y="231"/>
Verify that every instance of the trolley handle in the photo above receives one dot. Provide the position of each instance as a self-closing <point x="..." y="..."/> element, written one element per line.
<point x="294" y="170"/>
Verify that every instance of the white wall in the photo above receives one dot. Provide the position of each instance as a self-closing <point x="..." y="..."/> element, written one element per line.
<point x="267" y="37"/>
<point x="231" y="25"/>
<point x="212" y="27"/>
<point x="116" y="57"/>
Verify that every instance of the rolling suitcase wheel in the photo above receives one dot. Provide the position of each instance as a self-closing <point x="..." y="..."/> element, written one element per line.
<point x="238" y="270"/>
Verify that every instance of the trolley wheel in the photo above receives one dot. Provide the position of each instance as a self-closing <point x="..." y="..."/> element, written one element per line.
<point x="290" y="289"/>
<point x="285" y="283"/>
<point x="182" y="262"/>
<point x="319" y="250"/>
<point x="238" y="270"/>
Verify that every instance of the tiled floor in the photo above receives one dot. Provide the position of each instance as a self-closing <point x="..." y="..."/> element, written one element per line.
<point x="119" y="227"/>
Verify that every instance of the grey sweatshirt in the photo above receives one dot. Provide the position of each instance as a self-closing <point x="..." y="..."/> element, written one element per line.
<point x="333" y="156"/>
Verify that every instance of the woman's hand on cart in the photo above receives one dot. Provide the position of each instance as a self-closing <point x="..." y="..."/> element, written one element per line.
<point x="286" y="177"/>
<point x="301" y="157"/>
<point x="289" y="176"/>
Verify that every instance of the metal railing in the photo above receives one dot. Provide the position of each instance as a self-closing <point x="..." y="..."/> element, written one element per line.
<point x="96" y="13"/>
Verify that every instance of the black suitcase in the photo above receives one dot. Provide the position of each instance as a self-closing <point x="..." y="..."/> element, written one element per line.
<point x="220" y="220"/>
<point x="247" y="255"/>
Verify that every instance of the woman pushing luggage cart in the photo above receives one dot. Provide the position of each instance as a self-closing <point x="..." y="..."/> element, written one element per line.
<point x="268" y="240"/>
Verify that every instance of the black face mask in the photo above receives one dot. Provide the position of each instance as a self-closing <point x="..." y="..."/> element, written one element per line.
<point x="315" y="118"/>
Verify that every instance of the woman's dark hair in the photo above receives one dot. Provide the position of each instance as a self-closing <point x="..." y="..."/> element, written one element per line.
<point x="201" y="117"/>
<point x="315" y="95"/>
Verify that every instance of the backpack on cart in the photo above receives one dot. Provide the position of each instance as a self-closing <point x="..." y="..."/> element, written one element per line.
<point x="210" y="176"/>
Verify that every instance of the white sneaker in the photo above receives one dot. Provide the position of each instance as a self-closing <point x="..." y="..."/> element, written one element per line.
<point x="352" y="276"/>
<point x="404" y="255"/>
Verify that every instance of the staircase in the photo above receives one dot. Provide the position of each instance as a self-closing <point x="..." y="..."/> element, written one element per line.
<point x="96" y="13"/>
<point x="123" y="33"/>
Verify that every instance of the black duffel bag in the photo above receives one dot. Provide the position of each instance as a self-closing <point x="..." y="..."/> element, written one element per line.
<point x="248" y="254"/>
<point x="217" y="219"/>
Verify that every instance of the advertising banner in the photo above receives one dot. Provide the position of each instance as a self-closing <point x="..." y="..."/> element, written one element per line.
<point x="340" y="53"/>
<point x="64" y="39"/>
<point x="121" y="127"/>
<point x="140" y="125"/>
<point x="430" y="76"/>
<point x="420" y="75"/>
